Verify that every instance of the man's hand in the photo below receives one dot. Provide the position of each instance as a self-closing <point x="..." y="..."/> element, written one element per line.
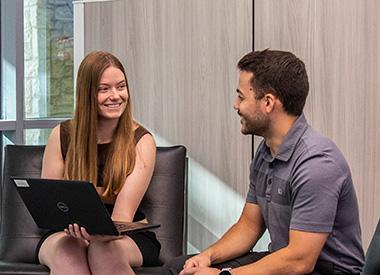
<point x="200" y="271"/>
<point x="200" y="260"/>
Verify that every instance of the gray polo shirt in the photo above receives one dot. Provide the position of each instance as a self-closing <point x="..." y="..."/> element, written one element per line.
<point x="307" y="186"/>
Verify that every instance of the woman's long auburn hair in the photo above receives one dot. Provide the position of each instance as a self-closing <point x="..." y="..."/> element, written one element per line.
<point x="81" y="161"/>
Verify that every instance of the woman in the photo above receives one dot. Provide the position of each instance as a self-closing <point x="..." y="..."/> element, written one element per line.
<point x="102" y="144"/>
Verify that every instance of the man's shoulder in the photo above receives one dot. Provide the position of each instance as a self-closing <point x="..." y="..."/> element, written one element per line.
<point x="314" y="142"/>
<point x="320" y="150"/>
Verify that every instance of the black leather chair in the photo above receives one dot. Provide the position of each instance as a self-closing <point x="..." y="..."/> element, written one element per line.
<point x="164" y="203"/>
<point x="372" y="258"/>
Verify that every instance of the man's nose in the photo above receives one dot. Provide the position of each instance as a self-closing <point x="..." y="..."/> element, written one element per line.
<point x="235" y="104"/>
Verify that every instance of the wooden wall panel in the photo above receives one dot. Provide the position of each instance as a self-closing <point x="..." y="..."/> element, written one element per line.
<point x="339" y="42"/>
<point x="181" y="60"/>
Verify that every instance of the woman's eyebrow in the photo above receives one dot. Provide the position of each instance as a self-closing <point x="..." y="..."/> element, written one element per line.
<point x="123" y="81"/>
<point x="106" y="84"/>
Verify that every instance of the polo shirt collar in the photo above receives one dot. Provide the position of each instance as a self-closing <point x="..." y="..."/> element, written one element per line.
<point x="290" y="141"/>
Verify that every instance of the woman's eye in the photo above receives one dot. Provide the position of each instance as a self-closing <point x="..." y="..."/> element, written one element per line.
<point x="103" y="89"/>
<point x="122" y="87"/>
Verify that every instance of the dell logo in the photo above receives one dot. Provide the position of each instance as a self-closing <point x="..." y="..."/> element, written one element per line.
<point x="63" y="207"/>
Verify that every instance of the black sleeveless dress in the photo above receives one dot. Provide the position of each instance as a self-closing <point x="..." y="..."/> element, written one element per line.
<point x="146" y="241"/>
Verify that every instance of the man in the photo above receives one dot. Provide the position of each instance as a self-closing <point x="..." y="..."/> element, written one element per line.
<point x="300" y="189"/>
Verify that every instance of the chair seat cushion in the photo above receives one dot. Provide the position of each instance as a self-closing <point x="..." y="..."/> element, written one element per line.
<point x="148" y="270"/>
<point x="22" y="268"/>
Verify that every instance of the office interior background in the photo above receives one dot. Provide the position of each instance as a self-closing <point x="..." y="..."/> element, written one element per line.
<point x="180" y="57"/>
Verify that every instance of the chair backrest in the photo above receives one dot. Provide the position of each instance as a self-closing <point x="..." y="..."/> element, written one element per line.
<point x="372" y="258"/>
<point x="19" y="234"/>
<point x="164" y="203"/>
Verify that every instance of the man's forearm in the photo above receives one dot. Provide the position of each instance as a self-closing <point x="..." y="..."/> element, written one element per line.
<point x="299" y="257"/>
<point x="279" y="262"/>
<point x="238" y="240"/>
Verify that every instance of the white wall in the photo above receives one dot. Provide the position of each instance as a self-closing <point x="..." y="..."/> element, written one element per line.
<point x="181" y="60"/>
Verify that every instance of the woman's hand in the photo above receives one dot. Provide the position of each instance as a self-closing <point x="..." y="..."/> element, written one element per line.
<point x="75" y="231"/>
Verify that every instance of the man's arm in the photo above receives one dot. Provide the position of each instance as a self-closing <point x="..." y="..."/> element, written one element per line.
<point x="299" y="257"/>
<point x="239" y="239"/>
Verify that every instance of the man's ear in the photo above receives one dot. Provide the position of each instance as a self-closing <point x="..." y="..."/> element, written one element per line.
<point x="269" y="100"/>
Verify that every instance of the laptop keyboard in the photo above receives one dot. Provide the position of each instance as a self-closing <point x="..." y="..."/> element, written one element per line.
<point x="122" y="226"/>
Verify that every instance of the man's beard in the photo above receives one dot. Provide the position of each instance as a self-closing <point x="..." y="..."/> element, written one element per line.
<point x="256" y="124"/>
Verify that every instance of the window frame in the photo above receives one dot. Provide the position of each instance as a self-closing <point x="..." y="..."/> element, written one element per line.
<point x="15" y="128"/>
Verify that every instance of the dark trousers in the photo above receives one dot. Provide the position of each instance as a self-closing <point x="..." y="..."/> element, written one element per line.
<point x="175" y="266"/>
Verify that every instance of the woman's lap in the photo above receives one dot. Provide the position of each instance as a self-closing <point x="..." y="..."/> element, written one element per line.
<point x="146" y="242"/>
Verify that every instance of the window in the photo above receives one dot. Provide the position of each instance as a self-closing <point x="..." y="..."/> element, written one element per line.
<point x="36" y="68"/>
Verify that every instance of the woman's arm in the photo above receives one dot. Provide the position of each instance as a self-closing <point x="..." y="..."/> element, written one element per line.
<point x="137" y="182"/>
<point x="53" y="164"/>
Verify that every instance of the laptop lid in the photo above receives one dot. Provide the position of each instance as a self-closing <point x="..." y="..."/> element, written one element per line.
<point x="54" y="204"/>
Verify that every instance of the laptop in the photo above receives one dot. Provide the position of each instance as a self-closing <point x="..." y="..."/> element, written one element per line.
<point x="54" y="204"/>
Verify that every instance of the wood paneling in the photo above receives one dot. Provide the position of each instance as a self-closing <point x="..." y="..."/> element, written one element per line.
<point x="339" y="42"/>
<point x="180" y="58"/>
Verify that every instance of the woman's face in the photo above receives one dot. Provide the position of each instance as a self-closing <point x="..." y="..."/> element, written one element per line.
<point x="112" y="94"/>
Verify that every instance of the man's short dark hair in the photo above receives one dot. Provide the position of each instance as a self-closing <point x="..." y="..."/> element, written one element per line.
<point x="280" y="73"/>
